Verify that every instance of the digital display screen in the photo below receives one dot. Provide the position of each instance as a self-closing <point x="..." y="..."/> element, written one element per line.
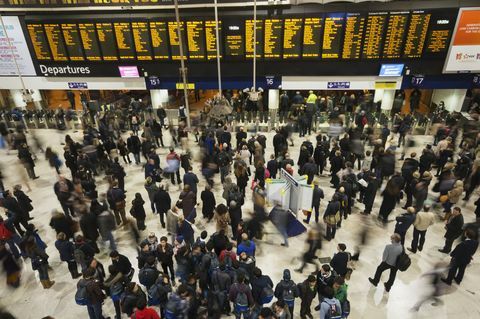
<point x="123" y="34"/>
<point x="416" y="35"/>
<point x="55" y="40"/>
<point x="73" y="43"/>
<point x="234" y="40"/>
<point x="292" y="38"/>
<point x="273" y="38"/>
<point x="106" y="39"/>
<point x="159" y="34"/>
<point x="396" y="31"/>
<point x="196" y="40"/>
<point x="39" y="41"/>
<point x="332" y="36"/>
<point x="211" y="39"/>
<point x="312" y="37"/>
<point x="375" y="31"/>
<point x="249" y="27"/>
<point x="352" y="42"/>
<point x="391" y="70"/>
<point x="439" y="34"/>
<point x="90" y="41"/>
<point x="141" y="40"/>
<point x="175" y="41"/>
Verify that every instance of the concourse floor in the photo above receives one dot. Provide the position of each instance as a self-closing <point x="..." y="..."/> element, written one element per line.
<point x="32" y="301"/>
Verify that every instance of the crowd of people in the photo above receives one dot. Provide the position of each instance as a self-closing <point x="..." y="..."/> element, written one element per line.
<point x="189" y="273"/>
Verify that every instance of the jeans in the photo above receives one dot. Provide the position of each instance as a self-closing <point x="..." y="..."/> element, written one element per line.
<point x="418" y="234"/>
<point x="246" y="314"/>
<point x="95" y="311"/>
<point x="168" y="267"/>
<point x="331" y="230"/>
<point x="317" y="213"/>
<point x="172" y="177"/>
<point x="136" y="156"/>
<point x="111" y="240"/>
<point x="72" y="268"/>
<point x="380" y="269"/>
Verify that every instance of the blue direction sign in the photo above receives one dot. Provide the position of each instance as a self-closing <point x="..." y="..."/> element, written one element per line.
<point x="338" y="85"/>
<point x="77" y="85"/>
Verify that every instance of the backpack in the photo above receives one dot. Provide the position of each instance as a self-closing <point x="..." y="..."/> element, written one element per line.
<point x="214" y="263"/>
<point x="228" y="260"/>
<point x="345" y="308"/>
<point x="333" y="312"/>
<point x="5" y="233"/>
<point x="144" y="275"/>
<point x="157" y="295"/>
<point x="171" y="310"/>
<point x="266" y="295"/>
<point x="81" y="296"/>
<point x="288" y="294"/>
<point x="241" y="302"/>
<point x="116" y="290"/>
<point x="403" y="261"/>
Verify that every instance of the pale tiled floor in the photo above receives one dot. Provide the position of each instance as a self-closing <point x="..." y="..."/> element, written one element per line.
<point x="31" y="301"/>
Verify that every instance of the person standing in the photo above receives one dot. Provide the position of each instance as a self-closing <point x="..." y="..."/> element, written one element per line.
<point x="331" y="217"/>
<point x="63" y="189"/>
<point x="94" y="294"/>
<point x="461" y="256"/>
<point x="389" y="261"/>
<point x="307" y="292"/>
<point x="241" y="296"/>
<point x="134" y="145"/>
<point x="370" y="192"/>
<point x="423" y="220"/>
<point x="208" y="200"/>
<point x="404" y="222"/>
<point x="163" y="203"/>
<point x="286" y="290"/>
<point x="165" y="257"/>
<point x="454" y="227"/>
<point x="66" y="250"/>
<point x="138" y="212"/>
<point x="116" y="200"/>
<point x="317" y="196"/>
<point x="340" y="260"/>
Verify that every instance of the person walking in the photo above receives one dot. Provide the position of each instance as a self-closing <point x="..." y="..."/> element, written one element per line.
<point x="138" y="212"/>
<point x="404" y="221"/>
<point x="331" y="217"/>
<point x="423" y="221"/>
<point x="66" y="250"/>
<point x="134" y="146"/>
<point x="163" y="203"/>
<point x="286" y="290"/>
<point x="317" y="196"/>
<point x="453" y="228"/>
<point x="389" y="261"/>
<point x="39" y="261"/>
<point x="116" y="200"/>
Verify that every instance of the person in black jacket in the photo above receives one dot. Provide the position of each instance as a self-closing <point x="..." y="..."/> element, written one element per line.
<point x="63" y="189"/>
<point x="370" y="193"/>
<point x="307" y="292"/>
<point x="95" y="296"/>
<point x="309" y="169"/>
<point x="259" y="284"/>
<point x="454" y="226"/>
<point x="404" y="222"/>
<point x="336" y="164"/>
<point x="133" y="294"/>
<point x="331" y="217"/>
<point x="66" y="250"/>
<point x="317" y="196"/>
<point x="163" y="203"/>
<point x="18" y="215"/>
<point x="148" y="274"/>
<point x="23" y="200"/>
<point x="340" y="260"/>
<point x="116" y="200"/>
<point x="89" y="227"/>
<point x="138" y="212"/>
<point x="165" y="257"/>
<point x="461" y="257"/>
<point x="134" y="146"/>
<point x="122" y="263"/>
<point x="325" y="278"/>
<point x="208" y="200"/>
<point x="286" y="290"/>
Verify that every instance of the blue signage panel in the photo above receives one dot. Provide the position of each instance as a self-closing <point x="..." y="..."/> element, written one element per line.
<point x="444" y="81"/>
<point x="77" y="85"/>
<point x="153" y="83"/>
<point x="391" y="70"/>
<point x="338" y="85"/>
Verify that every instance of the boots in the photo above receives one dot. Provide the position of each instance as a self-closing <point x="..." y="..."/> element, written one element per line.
<point x="47" y="283"/>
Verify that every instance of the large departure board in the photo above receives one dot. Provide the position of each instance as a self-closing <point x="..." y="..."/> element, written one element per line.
<point x="332" y="36"/>
<point x="71" y="35"/>
<point x="373" y="40"/>
<point x="159" y="34"/>
<point x="211" y="39"/>
<point x="417" y="33"/>
<point x="292" y="38"/>
<point x="106" y="39"/>
<point x="90" y="41"/>
<point x="125" y="45"/>
<point x="141" y="40"/>
<point x="39" y="41"/>
<point x="249" y="27"/>
<point x="234" y="40"/>
<point x="312" y="37"/>
<point x="55" y="40"/>
<point x="352" y="42"/>
<point x="439" y="34"/>
<point x="396" y="31"/>
<point x="273" y="38"/>
<point x="175" y="41"/>
<point x="196" y="40"/>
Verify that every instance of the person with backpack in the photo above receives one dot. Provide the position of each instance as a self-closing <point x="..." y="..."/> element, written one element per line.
<point x="340" y="290"/>
<point x="89" y="293"/>
<point x="241" y="297"/>
<point x="220" y="287"/>
<point x="281" y="310"/>
<point x="148" y="275"/>
<point x="158" y="293"/>
<point x="331" y="217"/>
<point x="138" y="212"/>
<point x="178" y="304"/>
<point x="115" y="286"/>
<point x="83" y="252"/>
<point x="389" y="261"/>
<point x="330" y="307"/>
<point x="131" y="297"/>
<point x="307" y="292"/>
<point x="39" y="260"/>
<point x="116" y="200"/>
<point x="144" y="312"/>
<point x="286" y="290"/>
<point x="262" y="288"/>
<point x="66" y="250"/>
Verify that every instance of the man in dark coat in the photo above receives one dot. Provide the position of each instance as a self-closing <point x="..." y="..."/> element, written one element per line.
<point x="163" y="203"/>
<point x="89" y="227"/>
<point x="309" y="169"/>
<point x="370" y="193"/>
<point x="340" y="260"/>
<point x="279" y="143"/>
<point x="317" y="196"/>
<point x="63" y="189"/>
<point x="15" y="212"/>
<point x="336" y="164"/>
<point x="461" y="257"/>
<point x="208" y="200"/>
<point x="307" y="292"/>
<point x="404" y="222"/>
<point x="134" y="146"/>
<point x="426" y="159"/>
<point x="454" y="228"/>
<point x="23" y="200"/>
<point x="191" y="179"/>
<point x="259" y="283"/>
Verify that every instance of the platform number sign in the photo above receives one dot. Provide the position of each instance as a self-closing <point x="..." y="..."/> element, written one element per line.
<point x="153" y="82"/>
<point x="476" y="81"/>
<point x="417" y="81"/>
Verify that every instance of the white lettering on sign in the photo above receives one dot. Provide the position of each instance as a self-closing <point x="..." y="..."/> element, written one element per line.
<point x="67" y="70"/>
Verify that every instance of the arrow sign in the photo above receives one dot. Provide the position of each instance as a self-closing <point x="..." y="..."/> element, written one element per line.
<point x="338" y="85"/>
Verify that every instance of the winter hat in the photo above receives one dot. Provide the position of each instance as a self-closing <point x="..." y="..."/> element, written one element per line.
<point x="286" y="274"/>
<point x="179" y="239"/>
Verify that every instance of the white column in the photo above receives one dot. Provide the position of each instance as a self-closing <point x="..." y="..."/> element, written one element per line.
<point x="378" y="96"/>
<point x="453" y="98"/>
<point x="37" y="99"/>
<point x="273" y="99"/>
<point x="17" y="98"/>
<point x="387" y="99"/>
<point x="159" y="98"/>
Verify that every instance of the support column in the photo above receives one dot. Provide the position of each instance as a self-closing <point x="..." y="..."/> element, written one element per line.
<point x="17" y="99"/>
<point x="273" y="99"/>
<point x="387" y="99"/>
<point x="159" y="98"/>
<point x="37" y="99"/>
<point x="453" y="98"/>
<point x="378" y="96"/>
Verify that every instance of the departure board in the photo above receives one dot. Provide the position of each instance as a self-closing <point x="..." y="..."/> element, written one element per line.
<point x="90" y="41"/>
<point x="375" y="31"/>
<point x="175" y="41"/>
<point x="141" y="40"/>
<point x="73" y="43"/>
<point x="273" y="38"/>
<point x="106" y="39"/>
<point x="234" y="40"/>
<point x="417" y="33"/>
<point x="196" y="40"/>
<point x="312" y="37"/>
<point x="249" y="26"/>
<point x="292" y="38"/>
<point x="55" y="40"/>
<point x="396" y="31"/>
<point x="159" y="34"/>
<point x="211" y="39"/>
<point x="332" y="36"/>
<point x="125" y="45"/>
<point x="39" y="41"/>
<point x="439" y="34"/>
<point x="352" y="42"/>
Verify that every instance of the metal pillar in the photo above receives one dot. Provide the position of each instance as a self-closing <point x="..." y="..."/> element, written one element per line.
<point x="219" y="73"/>
<point x="254" y="45"/>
